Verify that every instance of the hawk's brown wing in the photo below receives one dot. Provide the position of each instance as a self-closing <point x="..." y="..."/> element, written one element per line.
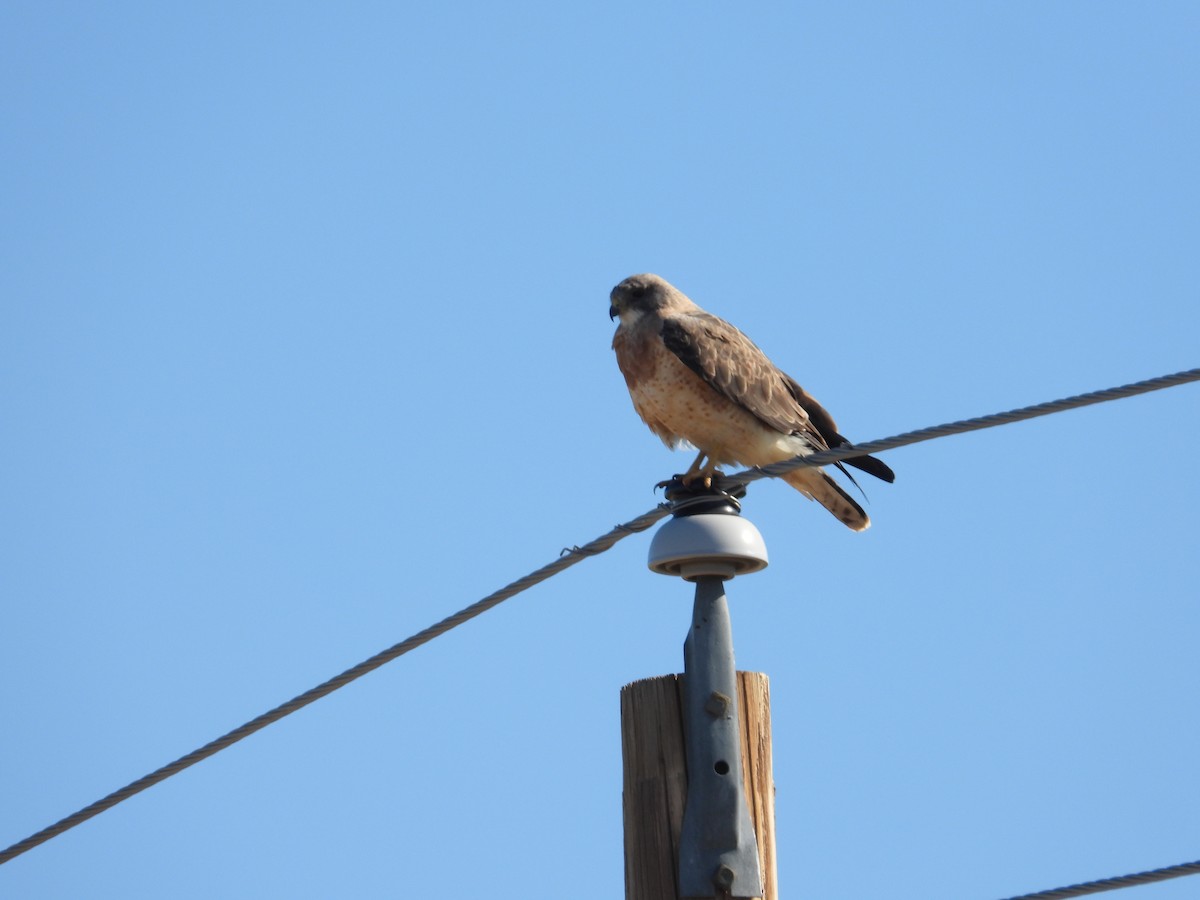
<point x="731" y="364"/>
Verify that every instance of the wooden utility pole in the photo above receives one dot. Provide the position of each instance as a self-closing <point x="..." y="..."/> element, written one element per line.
<point x="655" y="780"/>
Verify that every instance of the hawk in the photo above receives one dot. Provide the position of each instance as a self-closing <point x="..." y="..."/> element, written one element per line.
<point x="695" y="378"/>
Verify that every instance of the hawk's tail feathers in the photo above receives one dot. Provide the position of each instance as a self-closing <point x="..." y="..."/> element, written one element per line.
<point x="816" y="485"/>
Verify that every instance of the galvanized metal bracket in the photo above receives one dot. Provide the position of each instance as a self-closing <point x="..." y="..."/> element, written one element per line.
<point x="718" y="852"/>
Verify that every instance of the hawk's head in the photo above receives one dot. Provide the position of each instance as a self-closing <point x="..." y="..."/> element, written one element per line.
<point x="640" y="294"/>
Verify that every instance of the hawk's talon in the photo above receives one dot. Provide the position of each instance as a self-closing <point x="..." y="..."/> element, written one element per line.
<point x="691" y="480"/>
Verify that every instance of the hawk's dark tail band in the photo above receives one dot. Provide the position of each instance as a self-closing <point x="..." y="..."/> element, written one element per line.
<point x="817" y="485"/>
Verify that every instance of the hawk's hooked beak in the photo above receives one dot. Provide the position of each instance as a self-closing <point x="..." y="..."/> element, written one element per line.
<point x="612" y="312"/>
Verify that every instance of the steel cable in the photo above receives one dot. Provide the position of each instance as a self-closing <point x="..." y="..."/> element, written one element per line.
<point x="1113" y="884"/>
<point x="568" y="558"/>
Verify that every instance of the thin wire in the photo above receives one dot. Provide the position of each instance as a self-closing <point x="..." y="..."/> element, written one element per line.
<point x="1114" y="884"/>
<point x="565" y="561"/>
<point x="848" y="451"/>
<point x="570" y="557"/>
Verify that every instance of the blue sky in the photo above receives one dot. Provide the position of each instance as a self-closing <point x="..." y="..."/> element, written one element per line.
<point x="305" y="346"/>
